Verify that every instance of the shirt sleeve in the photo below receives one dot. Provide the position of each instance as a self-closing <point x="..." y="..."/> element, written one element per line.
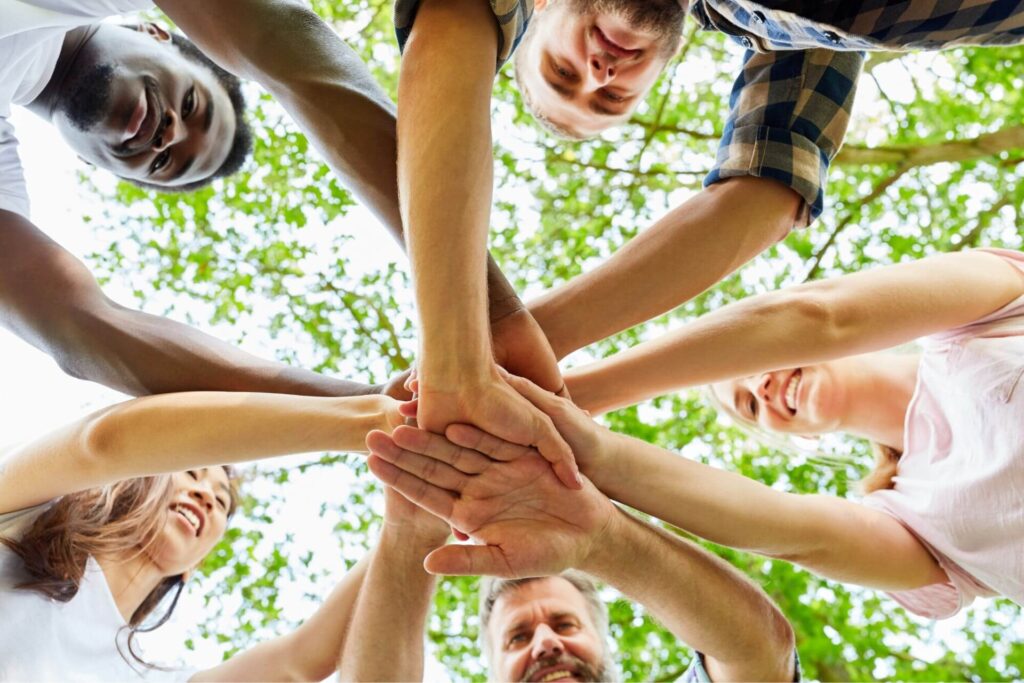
<point x="697" y="673"/>
<point x="788" y="114"/>
<point x="511" y="19"/>
<point x="13" y="193"/>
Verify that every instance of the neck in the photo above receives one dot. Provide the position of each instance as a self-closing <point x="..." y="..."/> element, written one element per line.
<point x="131" y="579"/>
<point x="878" y="392"/>
<point x="46" y="103"/>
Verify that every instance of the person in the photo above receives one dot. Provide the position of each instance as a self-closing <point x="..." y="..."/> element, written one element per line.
<point x="586" y="65"/>
<point x="542" y="620"/>
<point x="941" y="522"/>
<point x="103" y="521"/>
<point x="149" y="106"/>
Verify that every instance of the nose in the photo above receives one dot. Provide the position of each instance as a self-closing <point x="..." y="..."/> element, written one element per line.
<point x="602" y="69"/>
<point x="764" y="388"/>
<point x="173" y="131"/>
<point x="202" y="493"/>
<point x="546" y="643"/>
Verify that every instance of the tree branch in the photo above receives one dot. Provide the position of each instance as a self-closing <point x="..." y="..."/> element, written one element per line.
<point x="981" y="223"/>
<point x="957" y="151"/>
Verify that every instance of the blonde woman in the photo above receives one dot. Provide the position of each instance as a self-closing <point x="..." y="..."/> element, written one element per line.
<point x="104" y="520"/>
<point x="945" y="520"/>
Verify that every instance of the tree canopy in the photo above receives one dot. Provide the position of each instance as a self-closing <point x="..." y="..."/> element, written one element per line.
<point x="933" y="162"/>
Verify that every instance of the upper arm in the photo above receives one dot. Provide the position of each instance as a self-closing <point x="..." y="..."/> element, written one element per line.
<point x="39" y="282"/>
<point x="884" y="307"/>
<point x="852" y="543"/>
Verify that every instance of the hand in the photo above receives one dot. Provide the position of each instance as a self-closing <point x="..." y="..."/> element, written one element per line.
<point x="494" y="406"/>
<point x="519" y="346"/>
<point x="398" y="386"/>
<point x="530" y="524"/>
<point x="589" y="440"/>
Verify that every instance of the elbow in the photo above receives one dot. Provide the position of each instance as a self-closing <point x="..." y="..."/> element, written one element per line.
<point x="809" y="312"/>
<point x="101" y="437"/>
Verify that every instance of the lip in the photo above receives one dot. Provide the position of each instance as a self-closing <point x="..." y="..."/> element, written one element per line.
<point x="146" y="129"/>
<point x="610" y="46"/>
<point x="552" y="669"/>
<point x="196" y="511"/>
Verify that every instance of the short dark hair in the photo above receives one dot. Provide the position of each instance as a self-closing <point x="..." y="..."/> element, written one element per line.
<point x="241" y="144"/>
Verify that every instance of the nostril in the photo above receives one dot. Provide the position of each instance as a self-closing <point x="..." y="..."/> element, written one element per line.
<point x="596" y="64"/>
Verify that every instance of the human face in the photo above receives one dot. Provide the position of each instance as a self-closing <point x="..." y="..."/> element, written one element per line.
<point x="197" y="516"/>
<point x="588" y="64"/>
<point x="805" y="400"/>
<point x="542" y="631"/>
<point x="132" y="103"/>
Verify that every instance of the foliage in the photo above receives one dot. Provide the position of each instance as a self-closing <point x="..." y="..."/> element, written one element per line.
<point x="270" y="255"/>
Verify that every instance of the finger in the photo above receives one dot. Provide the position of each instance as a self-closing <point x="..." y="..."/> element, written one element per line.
<point x="440" y="448"/>
<point x="430" y="470"/>
<point x="410" y="379"/>
<point x="488" y="444"/>
<point x="564" y="392"/>
<point x="542" y="398"/>
<point x="409" y="408"/>
<point x="431" y="498"/>
<point x="468" y="560"/>
<point x="555" y="450"/>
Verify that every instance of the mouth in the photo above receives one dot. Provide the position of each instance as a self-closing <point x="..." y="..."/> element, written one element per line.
<point x="613" y="48"/>
<point x="191" y="516"/>
<point x="560" y="674"/>
<point x="790" y="393"/>
<point x="143" y="123"/>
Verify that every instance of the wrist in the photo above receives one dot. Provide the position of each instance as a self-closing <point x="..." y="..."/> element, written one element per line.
<point x="407" y="542"/>
<point x="555" y="324"/>
<point x="606" y="545"/>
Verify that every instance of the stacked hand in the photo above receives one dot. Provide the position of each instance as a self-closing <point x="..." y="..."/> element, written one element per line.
<point x="501" y="494"/>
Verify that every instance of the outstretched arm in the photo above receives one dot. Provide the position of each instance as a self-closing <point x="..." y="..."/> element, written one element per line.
<point x="532" y="527"/>
<point x="810" y="323"/>
<point x="833" y="537"/>
<point x="174" y="432"/>
<point x="395" y="598"/>
<point x="310" y="652"/>
<point x="49" y="299"/>
<point x="326" y="88"/>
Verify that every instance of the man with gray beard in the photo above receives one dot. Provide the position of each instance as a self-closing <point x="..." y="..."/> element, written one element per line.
<point x="544" y="619"/>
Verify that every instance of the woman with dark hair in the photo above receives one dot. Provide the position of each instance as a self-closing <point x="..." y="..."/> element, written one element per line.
<point x="944" y="519"/>
<point x="104" y="520"/>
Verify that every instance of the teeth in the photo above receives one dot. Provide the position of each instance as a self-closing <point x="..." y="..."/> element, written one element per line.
<point x="556" y="675"/>
<point x="794" y="384"/>
<point x="188" y="515"/>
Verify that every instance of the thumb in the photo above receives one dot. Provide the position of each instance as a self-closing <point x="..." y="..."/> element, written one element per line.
<point x="468" y="560"/>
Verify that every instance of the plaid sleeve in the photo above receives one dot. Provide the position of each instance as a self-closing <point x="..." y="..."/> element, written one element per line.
<point x="788" y="115"/>
<point x="511" y="19"/>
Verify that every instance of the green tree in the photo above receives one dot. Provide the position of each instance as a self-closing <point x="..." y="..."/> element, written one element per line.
<point x="933" y="163"/>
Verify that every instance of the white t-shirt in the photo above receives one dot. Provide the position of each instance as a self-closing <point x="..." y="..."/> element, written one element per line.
<point x="31" y="35"/>
<point x="46" y="640"/>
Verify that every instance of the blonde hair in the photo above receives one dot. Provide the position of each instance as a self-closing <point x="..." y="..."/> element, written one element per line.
<point x="114" y="520"/>
<point x="880" y="477"/>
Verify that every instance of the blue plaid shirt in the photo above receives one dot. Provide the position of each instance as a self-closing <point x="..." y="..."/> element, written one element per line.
<point x="790" y="104"/>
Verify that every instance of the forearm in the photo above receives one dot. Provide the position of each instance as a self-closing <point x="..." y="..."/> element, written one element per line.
<point x="690" y="249"/>
<point x="445" y="175"/>
<point x="310" y="653"/>
<point x="700" y="598"/>
<point x="392" y="608"/>
<point x="141" y="354"/>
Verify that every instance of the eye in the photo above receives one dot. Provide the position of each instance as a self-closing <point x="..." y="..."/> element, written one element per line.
<point x="188" y="105"/>
<point x="192" y="473"/>
<point x="563" y="72"/>
<point x="222" y="503"/>
<point x="752" y="405"/>
<point x="516" y="639"/>
<point x="612" y="96"/>
<point x="565" y="626"/>
<point x="161" y="161"/>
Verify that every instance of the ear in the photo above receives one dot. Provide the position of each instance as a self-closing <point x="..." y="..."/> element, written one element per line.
<point x="155" y="31"/>
<point x="540" y="5"/>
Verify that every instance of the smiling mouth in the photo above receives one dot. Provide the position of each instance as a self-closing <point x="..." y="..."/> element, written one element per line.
<point x="191" y="517"/>
<point x="792" y="387"/>
<point x="560" y="675"/>
<point x="611" y="47"/>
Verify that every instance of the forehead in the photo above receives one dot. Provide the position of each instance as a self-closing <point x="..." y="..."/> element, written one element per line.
<point x="534" y="601"/>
